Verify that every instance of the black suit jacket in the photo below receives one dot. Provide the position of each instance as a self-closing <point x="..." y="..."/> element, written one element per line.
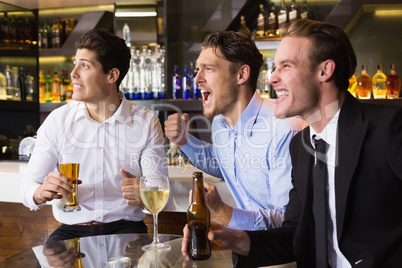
<point x="368" y="191"/>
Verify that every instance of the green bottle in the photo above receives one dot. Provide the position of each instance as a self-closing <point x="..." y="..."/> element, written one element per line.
<point x="48" y="87"/>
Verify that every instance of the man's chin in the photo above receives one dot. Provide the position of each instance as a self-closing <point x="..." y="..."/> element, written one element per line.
<point x="208" y="114"/>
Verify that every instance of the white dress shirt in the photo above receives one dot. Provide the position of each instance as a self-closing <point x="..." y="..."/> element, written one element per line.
<point x="329" y="135"/>
<point x="131" y="139"/>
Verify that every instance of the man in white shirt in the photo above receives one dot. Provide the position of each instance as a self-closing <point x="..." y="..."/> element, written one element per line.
<point x="116" y="141"/>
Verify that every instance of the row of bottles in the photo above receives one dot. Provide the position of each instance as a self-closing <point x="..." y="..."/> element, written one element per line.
<point x="264" y="88"/>
<point x="53" y="88"/>
<point x="271" y="19"/>
<point x="55" y="35"/>
<point x="16" y="84"/>
<point x="145" y="77"/>
<point x="185" y="87"/>
<point x="380" y="87"/>
<point x="16" y="32"/>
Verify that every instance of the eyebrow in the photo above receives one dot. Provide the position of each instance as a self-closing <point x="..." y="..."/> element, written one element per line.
<point x="205" y="64"/>
<point x="86" y="60"/>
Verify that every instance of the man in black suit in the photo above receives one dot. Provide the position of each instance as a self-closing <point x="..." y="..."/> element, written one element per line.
<point x="363" y="168"/>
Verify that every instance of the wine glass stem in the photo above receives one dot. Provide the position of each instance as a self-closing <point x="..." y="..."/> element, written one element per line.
<point x="156" y="238"/>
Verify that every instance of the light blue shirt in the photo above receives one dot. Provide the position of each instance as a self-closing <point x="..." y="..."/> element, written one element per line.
<point x="253" y="158"/>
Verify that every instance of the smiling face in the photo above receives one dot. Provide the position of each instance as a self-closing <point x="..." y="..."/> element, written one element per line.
<point x="90" y="84"/>
<point x="218" y="86"/>
<point x="296" y="85"/>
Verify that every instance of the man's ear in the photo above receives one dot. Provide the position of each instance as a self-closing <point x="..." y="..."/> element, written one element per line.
<point x="114" y="75"/>
<point x="327" y="69"/>
<point x="243" y="74"/>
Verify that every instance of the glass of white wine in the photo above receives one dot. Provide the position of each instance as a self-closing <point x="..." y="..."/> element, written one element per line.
<point x="154" y="191"/>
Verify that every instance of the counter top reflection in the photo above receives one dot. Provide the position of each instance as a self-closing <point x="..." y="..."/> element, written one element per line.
<point x="122" y="250"/>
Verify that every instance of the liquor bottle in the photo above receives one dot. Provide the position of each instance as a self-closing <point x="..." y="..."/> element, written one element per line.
<point x="186" y="84"/>
<point x="9" y="82"/>
<point x="198" y="220"/>
<point x="393" y="84"/>
<point x="149" y="67"/>
<point x="194" y="86"/>
<point x="176" y="89"/>
<point x="305" y="12"/>
<point x="19" y="34"/>
<point x="57" y="30"/>
<point x="3" y="92"/>
<point x="12" y="30"/>
<point x="46" y="38"/>
<point x="29" y="87"/>
<point x="56" y="86"/>
<point x="272" y="21"/>
<point x="261" y="23"/>
<point x="126" y="34"/>
<point x="137" y="75"/>
<point x="5" y="24"/>
<point x="69" y="87"/>
<point x="173" y="154"/>
<point x="379" y="89"/>
<point x="42" y="87"/>
<point x="364" y="84"/>
<point x="68" y="28"/>
<point x="352" y="86"/>
<point x="243" y="27"/>
<point x="64" y="85"/>
<point x="283" y="17"/>
<point x="293" y="12"/>
<point x="48" y="87"/>
<point x="21" y="84"/>
<point x="263" y="85"/>
<point x="40" y="37"/>
<point x="28" y="32"/>
<point x="272" y="92"/>
<point x="15" y="81"/>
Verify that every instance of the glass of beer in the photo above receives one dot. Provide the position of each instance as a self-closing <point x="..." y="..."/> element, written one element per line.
<point x="154" y="191"/>
<point x="75" y="244"/>
<point x="70" y="167"/>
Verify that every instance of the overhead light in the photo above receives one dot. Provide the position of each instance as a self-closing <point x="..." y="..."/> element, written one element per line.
<point x="135" y="14"/>
<point x="388" y="12"/>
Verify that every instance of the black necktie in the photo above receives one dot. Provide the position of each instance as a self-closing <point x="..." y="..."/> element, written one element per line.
<point x="320" y="203"/>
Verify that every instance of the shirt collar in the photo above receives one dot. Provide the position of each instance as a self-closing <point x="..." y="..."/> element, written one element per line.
<point x="247" y="119"/>
<point x="121" y="114"/>
<point x="329" y="133"/>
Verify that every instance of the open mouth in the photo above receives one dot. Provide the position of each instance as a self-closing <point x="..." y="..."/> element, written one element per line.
<point x="78" y="87"/>
<point x="282" y="94"/>
<point x="206" y="96"/>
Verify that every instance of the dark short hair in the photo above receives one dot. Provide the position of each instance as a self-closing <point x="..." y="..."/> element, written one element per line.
<point x="237" y="48"/>
<point x="328" y="42"/>
<point x="111" y="51"/>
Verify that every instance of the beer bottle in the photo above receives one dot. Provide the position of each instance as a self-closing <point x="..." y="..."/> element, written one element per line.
<point x="198" y="220"/>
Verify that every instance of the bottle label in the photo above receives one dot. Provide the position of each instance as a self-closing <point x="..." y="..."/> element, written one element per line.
<point x="304" y="15"/>
<point x="281" y="18"/>
<point x="292" y="15"/>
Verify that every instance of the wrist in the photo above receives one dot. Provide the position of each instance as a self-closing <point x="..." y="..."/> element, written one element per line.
<point x="222" y="214"/>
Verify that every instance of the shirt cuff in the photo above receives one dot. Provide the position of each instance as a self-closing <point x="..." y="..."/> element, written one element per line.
<point x="242" y="219"/>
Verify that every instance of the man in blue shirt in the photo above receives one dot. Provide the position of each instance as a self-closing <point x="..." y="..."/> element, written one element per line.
<point x="250" y="149"/>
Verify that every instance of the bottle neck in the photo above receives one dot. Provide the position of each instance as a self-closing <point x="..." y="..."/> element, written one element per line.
<point x="198" y="191"/>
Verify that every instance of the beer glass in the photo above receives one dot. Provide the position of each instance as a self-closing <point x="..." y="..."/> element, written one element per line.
<point x="154" y="192"/>
<point x="70" y="166"/>
<point x="75" y="244"/>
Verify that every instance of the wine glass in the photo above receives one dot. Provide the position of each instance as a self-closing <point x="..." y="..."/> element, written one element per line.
<point x="154" y="191"/>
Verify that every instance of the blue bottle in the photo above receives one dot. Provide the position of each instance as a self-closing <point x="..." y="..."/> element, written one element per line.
<point x="194" y="87"/>
<point x="186" y="84"/>
<point x="176" y="81"/>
